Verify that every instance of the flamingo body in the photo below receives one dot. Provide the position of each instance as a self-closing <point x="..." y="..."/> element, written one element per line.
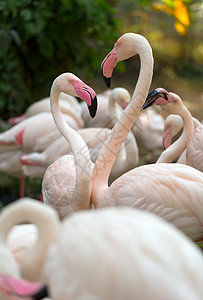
<point x="139" y="250"/>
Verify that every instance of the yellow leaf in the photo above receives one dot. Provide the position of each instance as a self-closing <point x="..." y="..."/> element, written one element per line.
<point x="163" y="7"/>
<point x="181" y="13"/>
<point x="180" y="28"/>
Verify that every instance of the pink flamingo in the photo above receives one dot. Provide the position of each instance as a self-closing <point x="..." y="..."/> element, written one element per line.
<point x="120" y="237"/>
<point x="65" y="197"/>
<point x="148" y="130"/>
<point x="81" y="189"/>
<point x="68" y="104"/>
<point x="194" y="150"/>
<point x="172" y="125"/>
<point x="27" y="262"/>
<point x="23" y="137"/>
<point x="35" y="164"/>
<point x="173" y="191"/>
<point x="106" y="100"/>
<point x="191" y="138"/>
<point x="171" y="103"/>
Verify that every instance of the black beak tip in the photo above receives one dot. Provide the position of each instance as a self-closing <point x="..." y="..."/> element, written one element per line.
<point x="93" y="107"/>
<point x="144" y="106"/>
<point x="107" y="81"/>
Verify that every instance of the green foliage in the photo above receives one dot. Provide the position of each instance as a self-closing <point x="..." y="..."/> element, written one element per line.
<point x="41" y="39"/>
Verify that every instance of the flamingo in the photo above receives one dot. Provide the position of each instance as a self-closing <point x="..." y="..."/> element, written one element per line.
<point x="191" y="138"/>
<point x="68" y="104"/>
<point x="27" y="262"/>
<point x="148" y="130"/>
<point x="173" y="105"/>
<point x="35" y="164"/>
<point x="194" y="150"/>
<point x="81" y="189"/>
<point x="172" y="125"/>
<point x="173" y="191"/>
<point x="22" y="136"/>
<point x="107" y="101"/>
<point x="67" y="253"/>
<point x="67" y="195"/>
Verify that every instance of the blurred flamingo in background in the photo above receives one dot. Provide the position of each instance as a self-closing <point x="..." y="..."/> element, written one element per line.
<point x="175" y="265"/>
<point x="148" y="130"/>
<point x="68" y="104"/>
<point x="25" y="259"/>
<point x="154" y="187"/>
<point x="29" y="134"/>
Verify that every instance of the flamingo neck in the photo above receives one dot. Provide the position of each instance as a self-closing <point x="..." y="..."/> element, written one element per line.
<point x="47" y="223"/>
<point x="176" y="149"/>
<point x="111" y="147"/>
<point x="83" y="164"/>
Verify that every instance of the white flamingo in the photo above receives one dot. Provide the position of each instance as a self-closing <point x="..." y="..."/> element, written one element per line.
<point x="172" y="191"/>
<point x="35" y="164"/>
<point x="24" y="260"/>
<point x="148" y="130"/>
<point x="67" y="190"/>
<point x="191" y="139"/>
<point x="67" y="254"/>
<point x="172" y="125"/>
<point x="68" y="104"/>
<point x="81" y="189"/>
<point x="29" y="134"/>
<point x="172" y="104"/>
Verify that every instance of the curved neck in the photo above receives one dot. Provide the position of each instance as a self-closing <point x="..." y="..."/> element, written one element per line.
<point x="47" y="222"/>
<point x="83" y="163"/>
<point x="176" y="149"/>
<point x="119" y="132"/>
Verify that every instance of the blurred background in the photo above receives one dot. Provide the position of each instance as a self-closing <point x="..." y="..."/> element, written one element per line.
<point x="43" y="38"/>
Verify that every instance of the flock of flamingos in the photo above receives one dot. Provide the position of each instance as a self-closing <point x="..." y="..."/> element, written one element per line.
<point x="106" y="228"/>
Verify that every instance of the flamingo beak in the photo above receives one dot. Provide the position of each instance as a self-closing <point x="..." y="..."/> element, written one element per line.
<point x="151" y="99"/>
<point x="87" y="94"/>
<point x="107" y="80"/>
<point x="93" y="107"/>
<point x="107" y="66"/>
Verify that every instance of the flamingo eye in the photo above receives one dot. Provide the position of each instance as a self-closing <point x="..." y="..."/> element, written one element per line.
<point x="163" y="95"/>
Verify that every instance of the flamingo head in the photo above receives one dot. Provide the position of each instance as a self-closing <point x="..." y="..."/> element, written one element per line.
<point x="15" y="288"/>
<point x="121" y="96"/>
<point x="170" y="102"/>
<point x="70" y="84"/>
<point x="128" y="45"/>
<point x="158" y="96"/>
